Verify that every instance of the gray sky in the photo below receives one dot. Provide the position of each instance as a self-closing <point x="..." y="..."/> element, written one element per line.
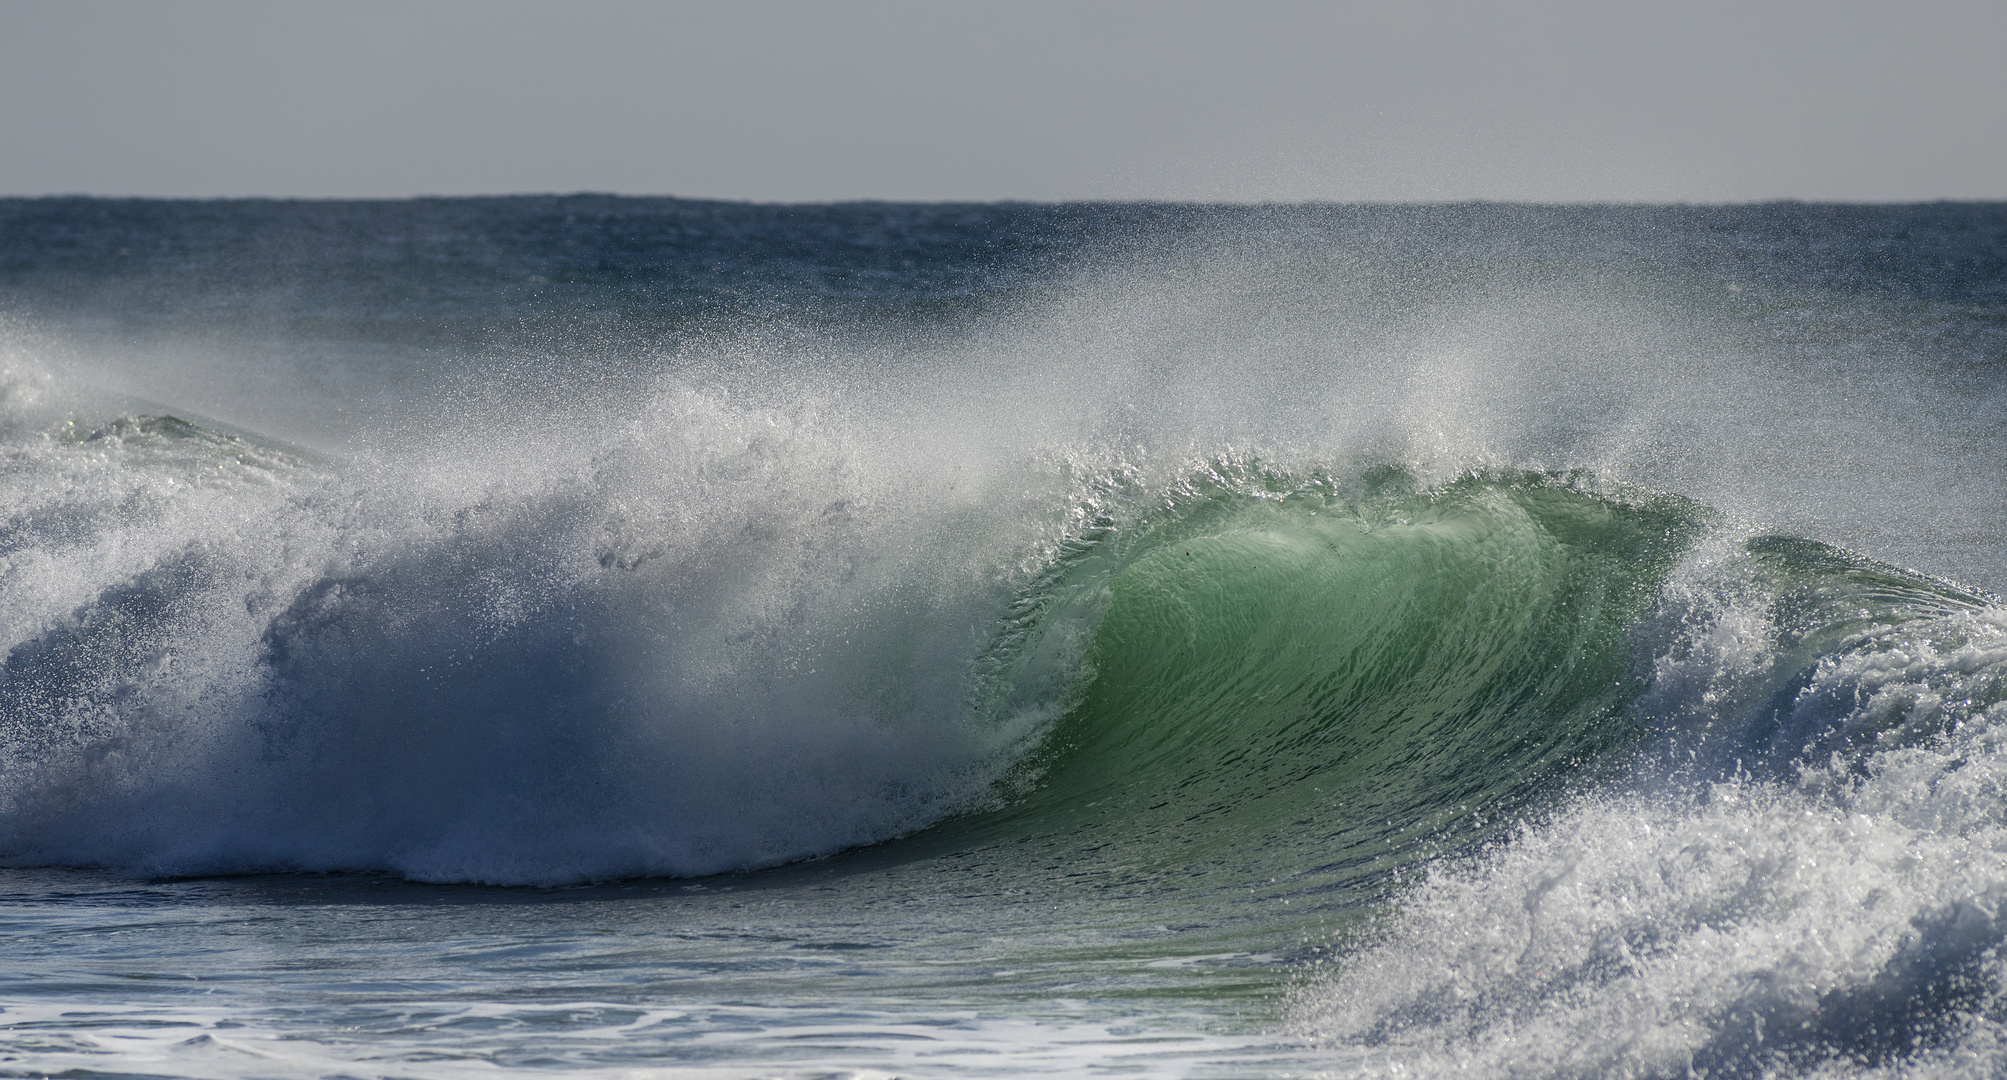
<point x="1552" y="101"/>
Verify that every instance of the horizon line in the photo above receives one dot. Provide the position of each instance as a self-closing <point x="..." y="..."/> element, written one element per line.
<point x="1138" y="201"/>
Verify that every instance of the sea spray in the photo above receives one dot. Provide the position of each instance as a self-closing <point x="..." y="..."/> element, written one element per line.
<point x="705" y="642"/>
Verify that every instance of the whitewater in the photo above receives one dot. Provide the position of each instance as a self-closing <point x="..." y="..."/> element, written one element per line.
<point x="663" y="637"/>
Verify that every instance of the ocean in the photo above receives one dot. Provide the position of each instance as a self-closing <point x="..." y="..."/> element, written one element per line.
<point x="650" y="637"/>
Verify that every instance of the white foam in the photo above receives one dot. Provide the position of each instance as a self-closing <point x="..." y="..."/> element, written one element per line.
<point x="1836" y="902"/>
<point x="700" y="637"/>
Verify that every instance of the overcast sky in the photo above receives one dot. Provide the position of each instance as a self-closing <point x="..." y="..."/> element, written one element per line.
<point x="1022" y="100"/>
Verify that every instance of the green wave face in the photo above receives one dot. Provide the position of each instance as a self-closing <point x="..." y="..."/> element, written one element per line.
<point x="1289" y="683"/>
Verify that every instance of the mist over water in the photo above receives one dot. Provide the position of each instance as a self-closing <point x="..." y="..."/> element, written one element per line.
<point x="1354" y="640"/>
